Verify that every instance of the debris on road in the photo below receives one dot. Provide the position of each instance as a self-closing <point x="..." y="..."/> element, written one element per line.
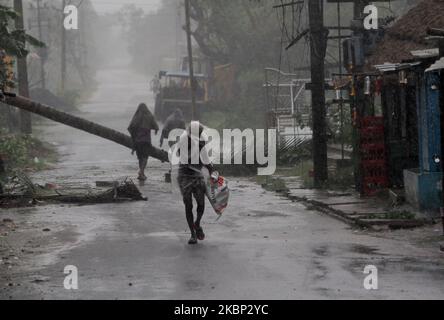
<point x="7" y="225"/>
<point x="23" y="192"/>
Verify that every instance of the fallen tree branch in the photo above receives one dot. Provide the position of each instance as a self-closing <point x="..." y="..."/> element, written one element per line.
<point x="120" y="192"/>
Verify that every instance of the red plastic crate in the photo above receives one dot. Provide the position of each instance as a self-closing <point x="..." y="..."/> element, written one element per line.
<point x="373" y="156"/>
<point x="372" y="122"/>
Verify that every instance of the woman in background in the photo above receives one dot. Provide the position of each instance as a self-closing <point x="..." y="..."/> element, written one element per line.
<point x="174" y="121"/>
<point x="140" y="129"/>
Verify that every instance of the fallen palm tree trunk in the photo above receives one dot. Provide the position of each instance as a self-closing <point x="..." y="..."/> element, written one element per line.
<point x="79" y="123"/>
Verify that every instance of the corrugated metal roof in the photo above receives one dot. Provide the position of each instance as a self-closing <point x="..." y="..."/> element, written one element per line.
<point x="184" y="74"/>
<point x="390" y="67"/>
<point x="408" y="33"/>
<point x="438" y="65"/>
<point x="426" y="53"/>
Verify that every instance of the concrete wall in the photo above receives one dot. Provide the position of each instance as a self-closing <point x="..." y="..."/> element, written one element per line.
<point x="423" y="190"/>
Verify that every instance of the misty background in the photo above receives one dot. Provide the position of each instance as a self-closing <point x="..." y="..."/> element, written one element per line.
<point x="148" y="35"/>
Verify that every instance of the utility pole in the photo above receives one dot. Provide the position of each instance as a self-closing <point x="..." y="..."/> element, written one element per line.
<point x="190" y="60"/>
<point x="42" y="61"/>
<point x="178" y="33"/>
<point x="63" y="51"/>
<point x="358" y="14"/>
<point x="22" y="70"/>
<point x="341" y="100"/>
<point x="359" y="6"/>
<point x="318" y="46"/>
<point x="83" y="39"/>
<point x="439" y="36"/>
<point x="441" y="55"/>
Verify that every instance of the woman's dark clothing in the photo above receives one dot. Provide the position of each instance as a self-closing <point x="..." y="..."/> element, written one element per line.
<point x="140" y="129"/>
<point x="142" y="149"/>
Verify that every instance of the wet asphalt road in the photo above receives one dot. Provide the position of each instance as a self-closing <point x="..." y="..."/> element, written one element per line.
<point x="264" y="247"/>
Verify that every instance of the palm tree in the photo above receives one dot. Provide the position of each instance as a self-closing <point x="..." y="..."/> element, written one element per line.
<point x="78" y="123"/>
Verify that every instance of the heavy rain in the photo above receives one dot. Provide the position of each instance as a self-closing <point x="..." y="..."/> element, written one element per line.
<point x="324" y="176"/>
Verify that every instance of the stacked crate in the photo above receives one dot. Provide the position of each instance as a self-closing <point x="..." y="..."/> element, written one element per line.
<point x="374" y="175"/>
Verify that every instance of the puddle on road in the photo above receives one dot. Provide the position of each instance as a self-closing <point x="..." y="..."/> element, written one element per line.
<point x="322" y="251"/>
<point x="426" y="268"/>
<point x="362" y="249"/>
<point x="319" y="271"/>
<point x="263" y="214"/>
<point x="194" y="285"/>
<point x="164" y="234"/>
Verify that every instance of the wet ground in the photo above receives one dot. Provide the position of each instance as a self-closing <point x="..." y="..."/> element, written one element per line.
<point x="265" y="247"/>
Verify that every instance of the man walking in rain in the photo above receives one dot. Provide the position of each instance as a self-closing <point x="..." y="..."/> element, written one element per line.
<point x="140" y="129"/>
<point x="191" y="180"/>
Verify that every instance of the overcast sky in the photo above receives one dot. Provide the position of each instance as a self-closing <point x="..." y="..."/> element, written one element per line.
<point x="103" y="6"/>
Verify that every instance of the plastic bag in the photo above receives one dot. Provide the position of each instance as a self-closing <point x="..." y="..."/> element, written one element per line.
<point x="217" y="191"/>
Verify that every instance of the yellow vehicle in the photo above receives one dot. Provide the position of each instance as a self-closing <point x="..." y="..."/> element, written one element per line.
<point x="175" y="93"/>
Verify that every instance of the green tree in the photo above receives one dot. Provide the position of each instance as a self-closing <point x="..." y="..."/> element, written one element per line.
<point x="12" y="42"/>
<point x="246" y="33"/>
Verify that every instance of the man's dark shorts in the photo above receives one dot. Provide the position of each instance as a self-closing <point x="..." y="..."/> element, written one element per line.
<point x="192" y="186"/>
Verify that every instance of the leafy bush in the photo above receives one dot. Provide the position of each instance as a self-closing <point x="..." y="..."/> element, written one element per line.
<point x="14" y="149"/>
<point x="20" y="152"/>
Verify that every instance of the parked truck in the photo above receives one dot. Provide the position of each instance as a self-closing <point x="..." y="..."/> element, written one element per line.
<point x="175" y="93"/>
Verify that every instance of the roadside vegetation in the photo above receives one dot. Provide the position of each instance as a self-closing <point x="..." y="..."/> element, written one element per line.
<point x="24" y="152"/>
<point x="341" y="179"/>
<point x="41" y="48"/>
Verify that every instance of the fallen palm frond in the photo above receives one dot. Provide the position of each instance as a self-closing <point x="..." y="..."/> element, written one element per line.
<point x="21" y="191"/>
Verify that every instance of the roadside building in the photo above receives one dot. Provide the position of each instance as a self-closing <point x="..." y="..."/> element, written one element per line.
<point x="396" y="102"/>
